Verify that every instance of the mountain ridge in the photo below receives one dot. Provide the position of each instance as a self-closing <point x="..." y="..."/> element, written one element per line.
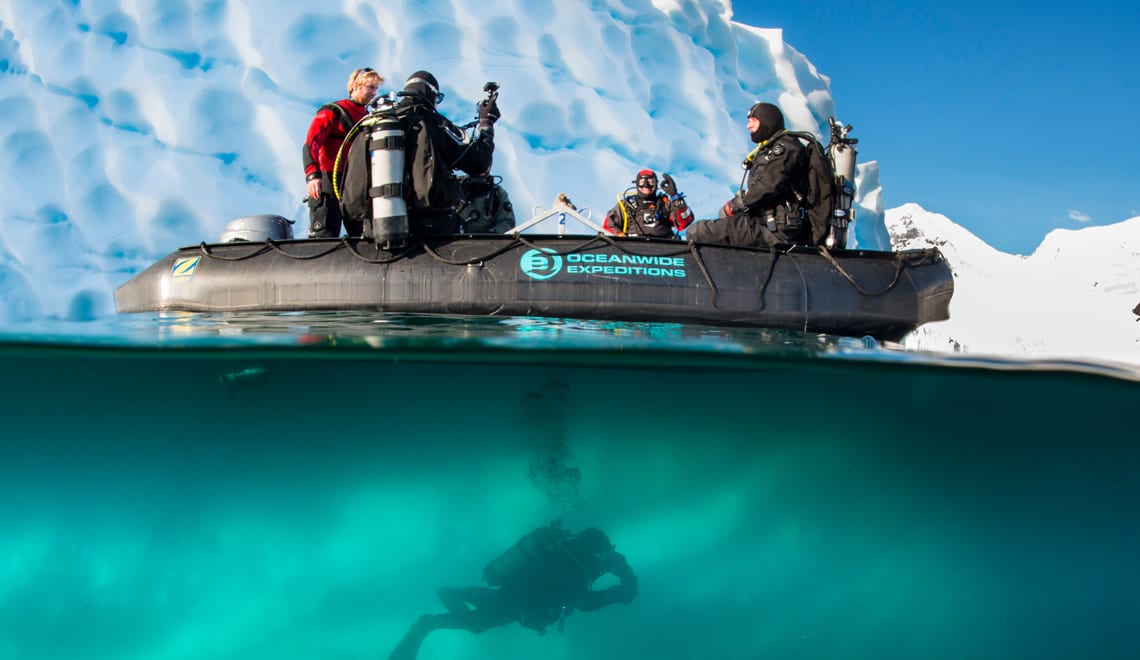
<point x="1072" y="298"/>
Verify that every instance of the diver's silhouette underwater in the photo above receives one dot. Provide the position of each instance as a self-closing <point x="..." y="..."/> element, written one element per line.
<point x="537" y="582"/>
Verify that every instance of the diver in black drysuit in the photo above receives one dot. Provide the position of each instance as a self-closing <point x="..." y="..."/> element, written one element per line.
<point x="544" y="577"/>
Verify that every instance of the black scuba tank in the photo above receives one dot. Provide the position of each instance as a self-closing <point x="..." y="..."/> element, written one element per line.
<point x="525" y="560"/>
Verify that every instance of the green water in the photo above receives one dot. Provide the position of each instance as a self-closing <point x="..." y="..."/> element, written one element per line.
<point x="302" y="489"/>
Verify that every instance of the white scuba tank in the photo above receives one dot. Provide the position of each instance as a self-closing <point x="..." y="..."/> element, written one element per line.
<point x="843" y="159"/>
<point x="842" y="154"/>
<point x="386" y="163"/>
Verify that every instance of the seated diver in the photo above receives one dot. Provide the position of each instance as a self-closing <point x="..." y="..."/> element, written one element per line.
<point x="644" y="211"/>
<point x="484" y="207"/>
<point x="538" y="582"/>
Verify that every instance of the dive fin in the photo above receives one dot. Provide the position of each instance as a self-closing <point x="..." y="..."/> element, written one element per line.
<point x="409" y="646"/>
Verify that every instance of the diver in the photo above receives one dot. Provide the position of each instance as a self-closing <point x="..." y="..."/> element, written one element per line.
<point x="432" y="148"/>
<point x="435" y="147"/>
<point x="332" y="123"/>
<point x="643" y="211"/>
<point x="767" y="210"/>
<point x="484" y="206"/>
<point x="538" y="582"/>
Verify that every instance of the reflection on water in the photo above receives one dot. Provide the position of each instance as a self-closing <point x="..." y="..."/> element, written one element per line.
<point x="382" y="330"/>
<point x="301" y="486"/>
<point x="497" y="339"/>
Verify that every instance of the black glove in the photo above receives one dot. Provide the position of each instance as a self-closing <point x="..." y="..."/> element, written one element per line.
<point x="733" y="206"/>
<point x="488" y="113"/>
<point x="736" y="204"/>
<point x="668" y="186"/>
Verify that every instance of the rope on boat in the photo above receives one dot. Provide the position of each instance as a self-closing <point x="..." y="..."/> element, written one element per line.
<point x="261" y="249"/>
<point x="394" y="258"/>
<point x="620" y="248"/>
<point x="574" y="250"/>
<point x="268" y="246"/>
<point x="768" y="276"/>
<point x="704" y="271"/>
<point x="899" y="265"/>
<point x="474" y="260"/>
<point x="690" y="248"/>
<point x="277" y="248"/>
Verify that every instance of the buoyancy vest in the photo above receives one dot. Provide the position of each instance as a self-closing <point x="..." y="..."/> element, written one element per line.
<point x="645" y="217"/>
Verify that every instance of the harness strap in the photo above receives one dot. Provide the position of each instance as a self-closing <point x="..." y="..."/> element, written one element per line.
<point x="345" y="121"/>
<point x="624" y="213"/>
<point x="388" y="190"/>
<point x="388" y="143"/>
<point x="491" y="203"/>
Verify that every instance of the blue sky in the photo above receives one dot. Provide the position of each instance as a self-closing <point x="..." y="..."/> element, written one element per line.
<point x="1010" y="120"/>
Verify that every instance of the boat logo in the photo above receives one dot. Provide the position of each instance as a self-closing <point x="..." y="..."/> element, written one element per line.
<point x="183" y="269"/>
<point x="541" y="263"/>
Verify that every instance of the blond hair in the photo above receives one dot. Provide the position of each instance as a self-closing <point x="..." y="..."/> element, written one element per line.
<point x="363" y="75"/>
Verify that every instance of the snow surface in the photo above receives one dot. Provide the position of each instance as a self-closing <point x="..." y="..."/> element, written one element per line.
<point x="134" y="127"/>
<point x="1071" y="299"/>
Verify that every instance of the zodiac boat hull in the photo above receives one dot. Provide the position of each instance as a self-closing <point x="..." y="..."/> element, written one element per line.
<point x="852" y="293"/>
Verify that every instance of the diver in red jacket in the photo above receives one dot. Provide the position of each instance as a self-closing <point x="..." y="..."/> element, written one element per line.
<point x="326" y="133"/>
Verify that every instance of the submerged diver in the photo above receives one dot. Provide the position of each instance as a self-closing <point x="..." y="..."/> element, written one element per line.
<point x="538" y="582"/>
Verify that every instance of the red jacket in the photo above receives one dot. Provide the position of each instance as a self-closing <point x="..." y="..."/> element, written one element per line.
<point x="326" y="134"/>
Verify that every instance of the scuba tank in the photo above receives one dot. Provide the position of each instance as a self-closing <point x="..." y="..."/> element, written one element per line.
<point x="525" y="560"/>
<point x="371" y="190"/>
<point x="386" y="171"/>
<point x="841" y="151"/>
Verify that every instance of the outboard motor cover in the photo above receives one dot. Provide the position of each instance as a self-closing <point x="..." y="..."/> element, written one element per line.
<point x="258" y="229"/>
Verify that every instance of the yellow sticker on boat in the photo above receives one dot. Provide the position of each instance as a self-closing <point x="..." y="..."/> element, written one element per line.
<point x="184" y="268"/>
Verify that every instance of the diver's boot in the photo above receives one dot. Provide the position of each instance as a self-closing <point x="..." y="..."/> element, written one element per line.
<point x="409" y="646"/>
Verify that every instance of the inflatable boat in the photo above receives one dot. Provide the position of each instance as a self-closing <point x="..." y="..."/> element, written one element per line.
<point x="854" y="293"/>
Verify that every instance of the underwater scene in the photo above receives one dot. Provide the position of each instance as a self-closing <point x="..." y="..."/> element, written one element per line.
<point x="312" y="485"/>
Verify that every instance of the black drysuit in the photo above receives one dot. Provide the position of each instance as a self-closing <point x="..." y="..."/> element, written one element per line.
<point x="767" y="210"/>
<point x="432" y="213"/>
<point x="433" y="148"/>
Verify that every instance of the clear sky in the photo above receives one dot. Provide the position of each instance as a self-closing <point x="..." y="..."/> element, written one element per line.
<point x="1011" y="119"/>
